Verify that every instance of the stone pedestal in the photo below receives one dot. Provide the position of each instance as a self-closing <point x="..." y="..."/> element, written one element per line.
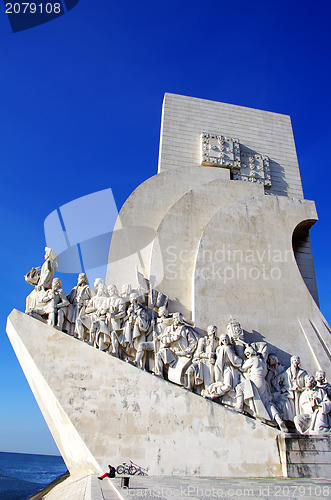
<point x="101" y="410"/>
<point x="305" y="456"/>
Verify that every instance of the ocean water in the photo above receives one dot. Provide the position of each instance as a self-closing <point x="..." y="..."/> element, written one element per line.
<point x="22" y="475"/>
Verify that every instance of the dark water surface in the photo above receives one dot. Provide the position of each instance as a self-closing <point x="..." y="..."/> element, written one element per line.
<point x="22" y="475"/>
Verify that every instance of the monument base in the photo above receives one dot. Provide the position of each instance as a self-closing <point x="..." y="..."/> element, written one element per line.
<point x="305" y="456"/>
<point x="101" y="410"/>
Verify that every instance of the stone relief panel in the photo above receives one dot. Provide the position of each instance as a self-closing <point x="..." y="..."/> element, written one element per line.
<point x="227" y="152"/>
<point x="218" y="150"/>
<point x="135" y="325"/>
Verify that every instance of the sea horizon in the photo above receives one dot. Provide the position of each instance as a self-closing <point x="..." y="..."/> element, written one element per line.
<point x="26" y="453"/>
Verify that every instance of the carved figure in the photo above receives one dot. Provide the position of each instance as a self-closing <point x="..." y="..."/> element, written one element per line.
<point x="253" y="391"/>
<point x="226" y="364"/>
<point x="99" y="284"/>
<point x="135" y="327"/>
<point x="147" y="349"/>
<point x="78" y="297"/>
<point x="200" y="374"/>
<point x="42" y="279"/>
<point x="116" y="307"/>
<point x="177" y="345"/>
<point x="47" y="269"/>
<point x="162" y="321"/>
<point x="125" y="294"/>
<point x="227" y="374"/>
<point x="280" y="398"/>
<point x="279" y="406"/>
<point x="100" y="329"/>
<point x="56" y="304"/>
<point x="107" y="312"/>
<point x="116" y="313"/>
<point x="295" y="384"/>
<point x="95" y="310"/>
<point x="321" y="382"/>
<point x="274" y="369"/>
<point x="315" y="408"/>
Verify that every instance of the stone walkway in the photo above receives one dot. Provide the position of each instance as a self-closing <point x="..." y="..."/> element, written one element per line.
<point x="188" y="488"/>
<point x="87" y="488"/>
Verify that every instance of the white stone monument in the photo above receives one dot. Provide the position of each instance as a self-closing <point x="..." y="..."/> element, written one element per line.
<point x="230" y="239"/>
<point x="220" y="232"/>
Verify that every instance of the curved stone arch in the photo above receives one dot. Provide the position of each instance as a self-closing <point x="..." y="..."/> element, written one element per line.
<point x="280" y="311"/>
<point x="146" y="207"/>
<point x="303" y="256"/>
<point x="189" y="215"/>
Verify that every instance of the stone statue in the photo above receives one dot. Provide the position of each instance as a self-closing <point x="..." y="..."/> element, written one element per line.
<point x="100" y="329"/>
<point x="147" y="349"/>
<point x="177" y="345"/>
<point x="274" y="369"/>
<point x="280" y="400"/>
<point x="200" y="374"/>
<point x="47" y="269"/>
<point x="227" y="364"/>
<point x="116" y="307"/>
<point x="315" y="408"/>
<point x="321" y="382"/>
<point x="42" y="279"/>
<point x="125" y="293"/>
<point x="116" y="313"/>
<point x="162" y="321"/>
<point x="95" y="310"/>
<point x="227" y="374"/>
<point x="101" y="287"/>
<point x="136" y="325"/>
<point x="79" y="297"/>
<point x="253" y="391"/>
<point x="295" y="384"/>
<point x="56" y="304"/>
<point x="102" y="320"/>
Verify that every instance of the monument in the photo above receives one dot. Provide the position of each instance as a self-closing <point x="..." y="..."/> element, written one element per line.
<point x="206" y="342"/>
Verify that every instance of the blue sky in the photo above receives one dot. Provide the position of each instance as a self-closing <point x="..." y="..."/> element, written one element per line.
<point x="80" y="111"/>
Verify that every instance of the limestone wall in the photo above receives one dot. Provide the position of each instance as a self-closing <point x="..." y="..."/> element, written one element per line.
<point x="184" y="118"/>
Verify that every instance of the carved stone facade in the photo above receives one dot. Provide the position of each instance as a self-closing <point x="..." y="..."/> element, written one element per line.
<point x="227" y="152"/>
<point x="218" y="150"/>
<point x="137" y="328"/>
